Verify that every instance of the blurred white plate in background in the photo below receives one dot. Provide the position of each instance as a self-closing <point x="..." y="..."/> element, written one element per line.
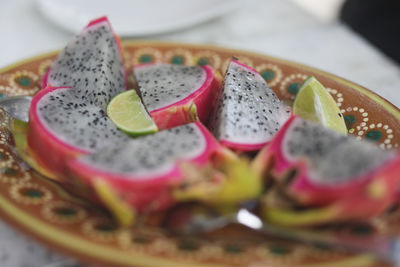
<point x="326" y="10"/>
<point x="135" y="17"/>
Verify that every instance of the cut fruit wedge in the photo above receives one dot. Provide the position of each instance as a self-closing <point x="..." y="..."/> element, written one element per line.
<point x="129" y="114"/>
<point x="314" y="103"/>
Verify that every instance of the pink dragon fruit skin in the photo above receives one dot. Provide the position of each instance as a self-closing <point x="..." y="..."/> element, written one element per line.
<point x="142" y="190"/>
<point x="169" y="113"/>
<point x="366" y="195"/>
<point x="45" y="78"/>
<point x="247" y="113"/>
<point x="242" y="147"/>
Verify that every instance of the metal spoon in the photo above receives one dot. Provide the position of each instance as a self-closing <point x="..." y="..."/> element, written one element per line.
<point x="196" y="219"/>
<point x="17" y="106"/>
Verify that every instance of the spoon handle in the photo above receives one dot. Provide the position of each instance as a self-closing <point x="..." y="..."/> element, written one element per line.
<point x="380" y="246"/>
<point x="17" y="106"/>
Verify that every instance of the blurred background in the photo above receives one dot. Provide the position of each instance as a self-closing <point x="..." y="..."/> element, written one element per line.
<point x="359" y="43"/>
<point x="355" y="39"/>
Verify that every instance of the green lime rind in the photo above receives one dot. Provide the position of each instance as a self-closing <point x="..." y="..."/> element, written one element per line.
<point x="128" y="113"/>
<point x="314" y="103"/>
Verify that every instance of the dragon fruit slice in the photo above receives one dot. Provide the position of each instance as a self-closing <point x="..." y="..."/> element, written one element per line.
<point x="166" y="88"/>
<point x="62" y="125"/>
<point x="319" y="167"/>
<point x="140" y="170"/>
<point x="68" y="117"/>
<point x="92" y="62"/>
<point x="248" y="113"/>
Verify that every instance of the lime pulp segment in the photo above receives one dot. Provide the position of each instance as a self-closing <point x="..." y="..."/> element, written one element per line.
<point x="128" y="113"/>
<point x="314" y="103"/>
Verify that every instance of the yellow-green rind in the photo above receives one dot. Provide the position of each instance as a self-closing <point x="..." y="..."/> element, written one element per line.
<point x="237" y="183"/>
<point x="122" y="212"/>
<point x="242" y="184"/>
<point x="292" y="218"/>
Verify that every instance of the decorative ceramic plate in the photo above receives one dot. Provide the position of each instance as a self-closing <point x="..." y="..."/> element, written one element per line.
<point x="42" y="209"/>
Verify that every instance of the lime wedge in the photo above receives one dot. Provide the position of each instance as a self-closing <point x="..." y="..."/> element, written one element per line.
<point x="313" y="102"/>
<point x="127" y="112"/>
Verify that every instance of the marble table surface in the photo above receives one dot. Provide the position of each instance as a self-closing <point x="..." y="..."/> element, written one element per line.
<point x="275" y="27"/>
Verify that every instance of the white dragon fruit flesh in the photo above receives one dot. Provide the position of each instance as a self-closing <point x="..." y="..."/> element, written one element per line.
<point x="92" y="63"/>
<point x="247" y="113"/>
<point x="169" y="91"/>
